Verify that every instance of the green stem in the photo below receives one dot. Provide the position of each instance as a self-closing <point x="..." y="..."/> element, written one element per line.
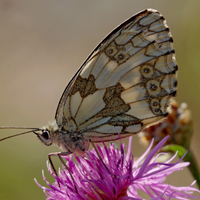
<point x="189" y="157"/>
<point x="193" y="167"/>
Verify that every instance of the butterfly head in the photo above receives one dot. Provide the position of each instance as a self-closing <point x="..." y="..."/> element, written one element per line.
<point x="46" y="133"/>
<point x="67" y="141"/>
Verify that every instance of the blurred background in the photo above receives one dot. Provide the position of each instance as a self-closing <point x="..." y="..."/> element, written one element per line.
<point x="43" y="43"/>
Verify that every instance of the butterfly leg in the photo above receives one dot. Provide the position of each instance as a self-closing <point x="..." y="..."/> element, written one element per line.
<point x="59" y="154"/>
<point x="98" y="154"/>
<point x="87" y="145"/>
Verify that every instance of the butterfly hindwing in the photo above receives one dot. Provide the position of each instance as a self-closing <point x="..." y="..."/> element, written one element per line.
<point x="125" y="84"/>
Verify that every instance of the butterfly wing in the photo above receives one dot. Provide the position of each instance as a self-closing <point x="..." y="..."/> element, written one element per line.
<point x="126" y="82"/>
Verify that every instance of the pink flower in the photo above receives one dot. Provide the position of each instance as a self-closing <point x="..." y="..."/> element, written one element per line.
<point x="121" y="179"/>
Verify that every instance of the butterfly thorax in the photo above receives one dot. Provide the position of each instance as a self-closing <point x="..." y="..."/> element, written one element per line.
<point x="67" y="140"/>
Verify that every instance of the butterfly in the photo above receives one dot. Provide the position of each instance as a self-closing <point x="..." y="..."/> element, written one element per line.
<point x="125" y="85"/>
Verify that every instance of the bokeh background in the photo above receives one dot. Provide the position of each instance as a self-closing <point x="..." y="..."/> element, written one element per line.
<point x="43" y="43"/>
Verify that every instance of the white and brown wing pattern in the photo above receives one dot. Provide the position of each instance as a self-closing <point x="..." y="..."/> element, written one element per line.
<point x="125" y="84"/>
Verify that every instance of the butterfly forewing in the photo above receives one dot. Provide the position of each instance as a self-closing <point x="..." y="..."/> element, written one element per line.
<point x="125" y="84"/>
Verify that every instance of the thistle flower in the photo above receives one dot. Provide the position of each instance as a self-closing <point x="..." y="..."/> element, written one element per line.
<point x="179" y="127"/>
<point x="117" y="176"/>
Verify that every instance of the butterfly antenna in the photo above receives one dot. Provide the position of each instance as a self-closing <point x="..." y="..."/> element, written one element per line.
<point x="16" y="127"/>
<point x="31" y="131"/>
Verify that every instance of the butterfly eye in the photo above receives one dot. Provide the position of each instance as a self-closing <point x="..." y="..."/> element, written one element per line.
<point x="45" y="137"/>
